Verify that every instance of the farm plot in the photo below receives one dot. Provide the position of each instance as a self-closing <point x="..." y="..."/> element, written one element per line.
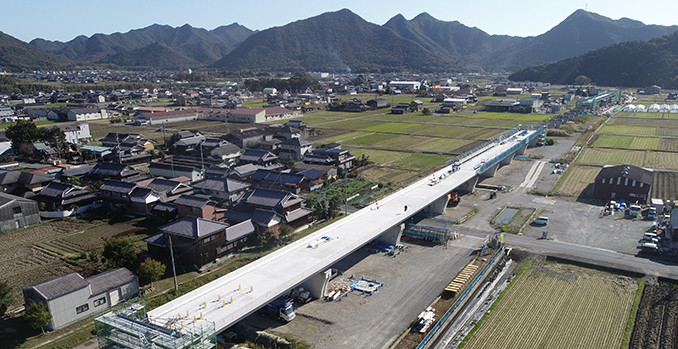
<point x="630" y="130"/>
<point x="420" y="161"/>
<point x="405" y="142"/>
<point x="507" y="116"/>
<point x="354" y="125"/>
<point x="576" y="180"/>
<point x="612" y="157"/>
<point x="668" y="131"/>
<point x="663" y="123"/>
<point x="447" y="145"/>
<point x="24" y="263"/>
<point x="343" y="137"/>
<point x="627" y="142"/>
<point x="379" y="157"/>
<point x="558" y="306"/>
<point x="669" y="144"/>
<point x="661" y="160"/>
<point x="388" y="175"/>
<point x="369" y="139"/>
<point x="664" y="185"/>
<point x="656" y="323"/>
<point x="455" y="131"/>
<point x="389" y="127"/>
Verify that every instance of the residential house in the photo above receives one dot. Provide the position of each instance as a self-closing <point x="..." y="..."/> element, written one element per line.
<point x="224" y="190"/>
<point x="71" y="298"/>
<point x="196" y="241"/>
<point x="377" y="103"/>
<point x="17" y="212"/>
<point x="115" y="195"/>
<point x="248" y="138"/>
<point x="179" y="166"/>
<point x="259" y="157"/>
<point x="168" y="189"/>
<point x="268" y="208"/>
<point x="243" y="172"/>
<point x="330" y="156"/>
<point x="401" y="108"/>
<point x="59" y="196"/>
<point x="198" y="206"/>
<point x="292" y="182"/>
<point x="327" y="172"/>
<point x="226" y="152"/>
<point x="22" y="183"/>
<point x="76" y="133"/>
<point x="86" y="113"/>
<point x="295" y="149"/>
<point x="120" y="172"/>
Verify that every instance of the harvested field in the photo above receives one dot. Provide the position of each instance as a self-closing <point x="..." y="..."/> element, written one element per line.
<point x="25" y="263"/>
<point x="665" y="185"/>
<point x="388" y="175"/>
<point x="506" y="116"/>
<point x="661" y="160"/>
<point x="612" y="157"/>
<point x="656" y="323"/>
<point x="379" y="157"/>
<point x="672" y="123"/>
<point x="370" y="139"/>
<point x="341" y="137"/>
<point x="420" y="161"/>
<point x="577" y="181"/>
<point x="455" y="131"/>
<point x="668" y="131"/>
<point x="553" y="305"/>
<point x="669" y="144"/>
<point x="389" y="127"/>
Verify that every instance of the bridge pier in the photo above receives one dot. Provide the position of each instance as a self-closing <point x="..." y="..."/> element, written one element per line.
<point x="438" y="206"/>
<point x="507" y="160"/>
<point x="317" y="284"/>
<point x="522" y="149"/>
<point x="392" y="235"/>
<point x="469" y="186"/>
<point x="490" y="172"/>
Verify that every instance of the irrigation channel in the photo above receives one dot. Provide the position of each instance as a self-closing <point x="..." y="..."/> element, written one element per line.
<point x="471" y="305"/>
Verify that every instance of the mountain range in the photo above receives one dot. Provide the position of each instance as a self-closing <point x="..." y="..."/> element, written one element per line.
<point x="637" y="63"/>
<point x="337" y="41"/>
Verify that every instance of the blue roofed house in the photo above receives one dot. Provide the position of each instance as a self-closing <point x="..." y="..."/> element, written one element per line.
<point x="292" y="182"/>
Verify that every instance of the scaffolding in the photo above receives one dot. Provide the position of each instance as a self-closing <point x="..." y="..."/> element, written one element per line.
<point x="435" y="234"/>
<point x="128" y="326"/>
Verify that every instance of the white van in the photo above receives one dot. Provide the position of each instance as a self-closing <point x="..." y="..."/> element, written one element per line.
<point x="541" y="220"/>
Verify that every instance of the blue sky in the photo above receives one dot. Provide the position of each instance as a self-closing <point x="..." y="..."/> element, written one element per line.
<point x="64" y="20"/>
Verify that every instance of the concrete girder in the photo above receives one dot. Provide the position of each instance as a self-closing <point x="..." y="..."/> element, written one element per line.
<point x="507" y="160"/>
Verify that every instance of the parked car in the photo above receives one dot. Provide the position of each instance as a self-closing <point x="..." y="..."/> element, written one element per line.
<point x="541" y="220"/>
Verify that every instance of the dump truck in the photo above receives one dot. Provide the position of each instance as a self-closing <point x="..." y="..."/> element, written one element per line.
<point x="281" y="308"/>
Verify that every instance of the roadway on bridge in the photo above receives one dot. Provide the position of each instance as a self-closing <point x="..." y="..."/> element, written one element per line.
<point x="261" y="281"/>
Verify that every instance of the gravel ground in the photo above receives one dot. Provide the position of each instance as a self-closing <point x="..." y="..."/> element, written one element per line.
<point x="412" y="280"/>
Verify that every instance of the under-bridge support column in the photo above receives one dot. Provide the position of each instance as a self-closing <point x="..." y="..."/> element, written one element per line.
<point x="522" y="149"/>
<point x="469" y="186"/>
<point x="317" y="284"/>
<point x="490" y="172"/>
<point x="438" y="206"/>
<point x="392" y="235"/>
<point x="533" y="142"/>
<point x="507" y="160"/>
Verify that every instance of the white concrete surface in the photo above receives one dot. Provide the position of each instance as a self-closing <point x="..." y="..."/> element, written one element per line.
<point x="263" y="280"/>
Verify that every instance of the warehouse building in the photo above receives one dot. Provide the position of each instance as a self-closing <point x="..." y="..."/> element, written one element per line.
<point x="623" y="182"/>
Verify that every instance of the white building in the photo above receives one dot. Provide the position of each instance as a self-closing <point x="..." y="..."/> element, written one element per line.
<point x="6" y="114"/>
<point x="84" y="114"/>
<point x="76" y="133"/>
<point x="405" y="85"/>
<point x="71" y="298"/>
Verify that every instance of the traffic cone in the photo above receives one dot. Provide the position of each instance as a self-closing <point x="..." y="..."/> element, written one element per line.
<point x="231" y="299"/>
<point x="251" y="288"/>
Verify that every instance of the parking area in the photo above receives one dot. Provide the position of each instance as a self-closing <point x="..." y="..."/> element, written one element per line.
<point x="412" y="280"/>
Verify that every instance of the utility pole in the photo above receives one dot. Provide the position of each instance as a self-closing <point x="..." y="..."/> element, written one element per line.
<point x="345" y="193"/>
<point x="174" y="269"/>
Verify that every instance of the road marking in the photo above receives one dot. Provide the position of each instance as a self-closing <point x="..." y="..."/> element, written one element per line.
<point x="533" y="174"/>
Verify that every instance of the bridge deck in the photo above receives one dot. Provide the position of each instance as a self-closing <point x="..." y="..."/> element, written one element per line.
<point x="261" y="281"/>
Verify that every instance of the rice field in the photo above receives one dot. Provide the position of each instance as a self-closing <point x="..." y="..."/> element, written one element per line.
<point x="442" y="144"/>
<point x="551" y="305"/>
<point x="605" y="156"/>
<point x="630" y="130"/>
<point x="628" y="142"/>
<point x="379" y="157"/>
<point x="391" y="175"/>
<point x="389" y="127"/>
<point x="576" y="180"/>
<point x="420" y="161"/>
<point x="506" y="116"/>
<point x="662" y="160"/>
<point x="455" y="131"/>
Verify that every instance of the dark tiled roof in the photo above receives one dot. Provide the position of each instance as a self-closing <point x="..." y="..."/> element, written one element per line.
<point x="255" y="155"/>
<point x="239" y="230"/>
<point x="297" y="142"/>
<point x="30" y="178"/>
<point x="263" y="217"/>
<point x="157" y="239"/>
<point x="117" y="186"/>
<point x="110" y="279"/>
<point x="160" y="185"/>
<point x="61" y="285"/>
<point x="191" y="201"/>
<point x="245" y="170"/>
<point x="222" y="185"/>
<point x="104" y="170"/>
<point x="270" y="198"/>
<point x="194" y="227"/>
<point x="311" y="173"/>
<point x="282" y="178"/>
<point x="626" y="171"/>
<point x="165" y="207"/>
<point x="140" y="192"/>
<point x="296" y="214"/>
<point x="9" y="177"/>
<point x="56" y="190"/>
<point x="238" y="216"/>
<point x="77" y="170"/>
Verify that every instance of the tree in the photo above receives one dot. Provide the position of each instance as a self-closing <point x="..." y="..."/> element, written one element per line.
<point x="119" y="253"/>
<point x="284" y="230"/>
<point x="426" y="111"/>
<point x="333" y="207"/>
<point x="23" y="131"/>
<point x="257" y="239"/>
<point x="5" y="297"/>
<point x="150" y="270"/>
<point x="582" y="80"/>
<point x="38" y="316"/>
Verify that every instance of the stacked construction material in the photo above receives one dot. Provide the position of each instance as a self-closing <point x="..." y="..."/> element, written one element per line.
<point x="461" y="281"/>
